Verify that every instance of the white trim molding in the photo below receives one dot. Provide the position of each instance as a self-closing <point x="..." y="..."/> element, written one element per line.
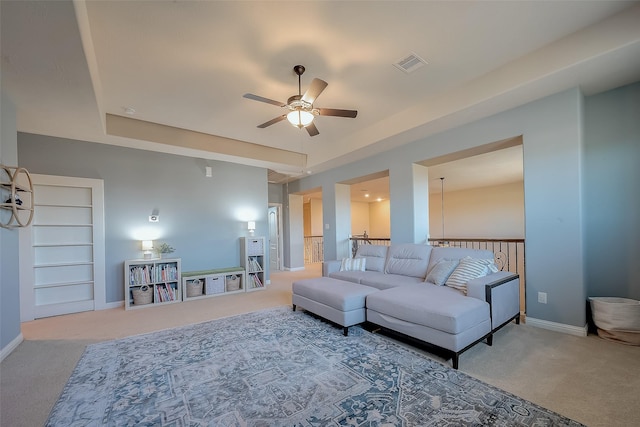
<point x="558" y="327"/>
<point x="116" y="304"/>
<point x="11" y="346"/>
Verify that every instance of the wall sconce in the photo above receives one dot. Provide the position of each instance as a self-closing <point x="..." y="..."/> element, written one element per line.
<point x="147" y="248"/>
<point x="251" y="226"/>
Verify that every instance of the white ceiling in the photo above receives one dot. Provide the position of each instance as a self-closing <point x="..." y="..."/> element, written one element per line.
<point x="68" y="65"/>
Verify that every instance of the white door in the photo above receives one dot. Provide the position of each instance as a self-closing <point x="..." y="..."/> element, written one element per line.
<point x="62" y="252"/>
<point x="275" y="259"/>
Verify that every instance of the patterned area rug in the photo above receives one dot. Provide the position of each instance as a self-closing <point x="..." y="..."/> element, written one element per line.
<point x="278" y="368"/>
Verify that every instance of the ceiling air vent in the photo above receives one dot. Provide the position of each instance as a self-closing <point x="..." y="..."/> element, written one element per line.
<point x="410" y="63"/>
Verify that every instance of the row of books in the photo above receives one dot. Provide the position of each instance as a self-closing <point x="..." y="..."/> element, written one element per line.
<point x="147" y="274"/>
<point x="253" y="265"/>
<point x="254" y="281"/>
<point x="164" y="293"/>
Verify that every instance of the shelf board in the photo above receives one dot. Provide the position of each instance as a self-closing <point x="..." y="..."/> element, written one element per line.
<point x="63" y="225"/>
<point x="62" y="264"/>
<point x="55" y="285"/>
<point x="53" y="205"/>
<point x="61" y="245"/>
<point x="136" y="285"/>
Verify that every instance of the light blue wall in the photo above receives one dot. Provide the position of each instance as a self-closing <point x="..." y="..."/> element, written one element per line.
<point x="577" y="153"/>
<point x="553" y="140"/>
<point x="203" y="218"/>
<point x="612" y="197"/>
<point x="276" y="193"/>
<point x="294" y="237"/>
<point x="9" y="271"/>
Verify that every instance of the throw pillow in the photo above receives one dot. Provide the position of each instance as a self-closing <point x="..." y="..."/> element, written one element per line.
<point x="441" y="271"/>
<point x="353" y="264"/>
<point x="468" y="269"/>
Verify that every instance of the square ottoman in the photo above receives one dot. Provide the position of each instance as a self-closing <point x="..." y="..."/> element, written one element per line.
<point x="336" y="300"/>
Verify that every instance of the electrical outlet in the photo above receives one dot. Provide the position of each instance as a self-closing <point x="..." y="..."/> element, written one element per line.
<point x="542" y="297"/>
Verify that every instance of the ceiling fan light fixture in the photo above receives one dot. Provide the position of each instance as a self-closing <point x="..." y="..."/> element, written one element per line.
<point x="301" y="110"/>
<point x="300" y="118"/>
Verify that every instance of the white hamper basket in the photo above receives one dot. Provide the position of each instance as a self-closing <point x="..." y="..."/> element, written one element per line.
<point x="617" y="319"/>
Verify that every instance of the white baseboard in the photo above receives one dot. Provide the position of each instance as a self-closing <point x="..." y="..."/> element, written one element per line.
<point x="11" y="346"/>
<point x="294" y="269"/>
<point x="557" y="327"/>
<point x="117" y="304"/>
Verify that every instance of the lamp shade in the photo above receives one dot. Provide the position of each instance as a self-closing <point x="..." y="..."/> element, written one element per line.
<point x="147" y="245"/>
<point x="300" y="118"/>
<point x="251" y="225"/>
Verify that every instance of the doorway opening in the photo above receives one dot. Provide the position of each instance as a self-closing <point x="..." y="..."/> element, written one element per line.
<point x="275" y="236"/>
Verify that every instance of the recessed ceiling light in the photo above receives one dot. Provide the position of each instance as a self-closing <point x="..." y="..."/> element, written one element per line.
<point x="379" y="199"/>
<point x="366" y="195"/>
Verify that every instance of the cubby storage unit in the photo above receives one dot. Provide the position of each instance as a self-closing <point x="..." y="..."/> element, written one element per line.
<point x="212" y="283"/>
<point x="150" y="282"/>
<point x="252" y="256"/>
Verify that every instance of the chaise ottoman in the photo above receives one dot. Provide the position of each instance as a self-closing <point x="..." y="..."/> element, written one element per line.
<point x="336" y="300"/>
<point x="438" y="315"/>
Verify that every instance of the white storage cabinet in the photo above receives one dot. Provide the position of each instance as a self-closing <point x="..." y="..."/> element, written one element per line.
<point x="212" y="283"/>
<point x="252" y="250"/>
<point x="151" y="282"/>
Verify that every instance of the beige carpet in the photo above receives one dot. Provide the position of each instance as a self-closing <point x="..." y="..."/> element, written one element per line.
<point x="593" y="381"/>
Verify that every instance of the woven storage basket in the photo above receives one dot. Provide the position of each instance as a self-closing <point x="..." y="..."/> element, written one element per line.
<point x="233" y="283"/>
<point x="617" y="319"/>
<point x="142" y="295"/>
<point x="194" y="288"/>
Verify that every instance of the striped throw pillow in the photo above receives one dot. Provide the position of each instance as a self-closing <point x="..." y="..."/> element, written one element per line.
<point x="468" y="269"/>
<point x="353" y="264"/>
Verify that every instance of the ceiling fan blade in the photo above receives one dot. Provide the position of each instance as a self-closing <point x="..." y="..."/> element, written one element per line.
<point x="338" y="113"/>
<point x="262" y="99"/>
<point x="273" y="121"/>
<point x="312" y="129"/>
<point x="316" y="88"/>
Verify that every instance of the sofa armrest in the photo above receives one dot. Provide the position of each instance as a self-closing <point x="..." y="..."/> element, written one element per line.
<point x="332" y="266"/>
<point x="502" y="291"/>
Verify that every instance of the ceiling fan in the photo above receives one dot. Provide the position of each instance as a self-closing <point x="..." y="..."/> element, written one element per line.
<point x="301" y="110"/>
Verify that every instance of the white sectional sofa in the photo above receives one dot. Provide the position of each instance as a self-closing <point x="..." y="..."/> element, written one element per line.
<point x="405" y="293"/>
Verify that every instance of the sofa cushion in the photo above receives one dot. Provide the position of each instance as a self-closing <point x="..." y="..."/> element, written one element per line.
<point x="437" y="307"/>
<point x="440" y="272"/>
<point x="353" y="264"/>
<point x="354" y="276"/>
<point x="439" y="253"/>
<point x="376" y="255"/>
<point x="408" y="259"/>
<point x="386" y="281"/>
<point x="469" y="269"/>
